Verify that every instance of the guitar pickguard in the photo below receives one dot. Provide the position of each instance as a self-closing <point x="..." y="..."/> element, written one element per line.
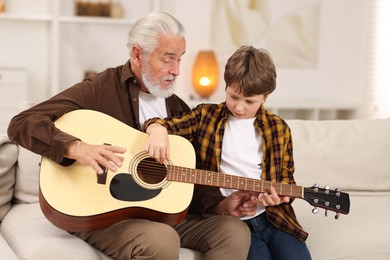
<point x="123" y="187"/>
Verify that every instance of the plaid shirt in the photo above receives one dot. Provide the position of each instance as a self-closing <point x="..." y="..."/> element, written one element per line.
<point x="204" y="127"/>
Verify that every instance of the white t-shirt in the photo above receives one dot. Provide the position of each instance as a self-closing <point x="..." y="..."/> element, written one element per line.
<point x="242" y="152"/>
<point x="150" y="106"/>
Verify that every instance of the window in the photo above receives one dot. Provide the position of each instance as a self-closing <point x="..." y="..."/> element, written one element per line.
<point x="380" y="53"/>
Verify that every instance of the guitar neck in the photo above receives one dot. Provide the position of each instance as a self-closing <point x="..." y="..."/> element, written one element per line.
<point x="221" y="180"/>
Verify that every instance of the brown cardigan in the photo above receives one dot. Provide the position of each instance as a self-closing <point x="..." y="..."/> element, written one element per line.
<point x="113" y="92"/>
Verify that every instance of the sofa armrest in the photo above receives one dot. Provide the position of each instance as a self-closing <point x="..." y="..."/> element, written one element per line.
<point x="8" y="158"/>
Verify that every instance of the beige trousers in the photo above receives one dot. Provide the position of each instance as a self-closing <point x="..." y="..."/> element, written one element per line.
<point x="217" y="237"/>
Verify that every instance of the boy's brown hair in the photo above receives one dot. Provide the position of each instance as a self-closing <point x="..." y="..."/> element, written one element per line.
<point x="252" y="70"/>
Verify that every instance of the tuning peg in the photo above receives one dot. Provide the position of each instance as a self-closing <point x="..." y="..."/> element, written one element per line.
<point x="337" y="216"/>
<point x="326" y="189"/>
<point x="337" y="190"/>
<point x="315" y="210"/>
<point x="326" y="213"/>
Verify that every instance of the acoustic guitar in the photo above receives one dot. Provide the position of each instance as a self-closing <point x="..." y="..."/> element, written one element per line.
<point x="75" y="198"/>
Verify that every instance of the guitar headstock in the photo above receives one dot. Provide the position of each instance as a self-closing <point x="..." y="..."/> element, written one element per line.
<point x="333" y="200"/>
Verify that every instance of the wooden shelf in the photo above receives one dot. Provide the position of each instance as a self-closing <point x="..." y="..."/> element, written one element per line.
<point x="51" y="24"/>
<point x="95" y="20"/>
<point x="25" y="18"/>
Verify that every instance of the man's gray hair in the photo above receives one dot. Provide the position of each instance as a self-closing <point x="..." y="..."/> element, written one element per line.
<point x="146" y="31"/>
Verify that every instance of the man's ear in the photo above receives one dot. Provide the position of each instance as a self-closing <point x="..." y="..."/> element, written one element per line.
<point x="136" y="54"/>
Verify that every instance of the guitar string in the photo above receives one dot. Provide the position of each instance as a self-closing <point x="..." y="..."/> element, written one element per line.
<point x="154" y="168"/>
<point x="151" y="167"/>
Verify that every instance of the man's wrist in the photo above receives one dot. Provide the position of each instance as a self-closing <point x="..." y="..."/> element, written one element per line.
<point x="219" y="208"/>
<point x="69" y="148"/>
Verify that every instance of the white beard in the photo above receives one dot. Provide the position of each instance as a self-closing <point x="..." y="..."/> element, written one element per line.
<point x="154" y="86"/>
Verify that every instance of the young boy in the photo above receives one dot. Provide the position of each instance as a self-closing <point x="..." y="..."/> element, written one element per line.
<point x="239" y="137"/>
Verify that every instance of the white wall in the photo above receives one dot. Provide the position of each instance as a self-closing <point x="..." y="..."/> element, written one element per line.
<point x="340" y="76"/>
<point x="195" y="16"/>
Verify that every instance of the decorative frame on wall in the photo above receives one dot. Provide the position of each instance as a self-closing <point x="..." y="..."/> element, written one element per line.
<point x="288" y="30"/>
<point x="321" y="57"/>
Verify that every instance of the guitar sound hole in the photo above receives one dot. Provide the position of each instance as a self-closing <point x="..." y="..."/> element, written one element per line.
<point x="150" y="171"/>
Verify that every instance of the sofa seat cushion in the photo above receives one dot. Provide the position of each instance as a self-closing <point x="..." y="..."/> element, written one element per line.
<point x="360" y="235"/>
<point x="8" y="157"/>
<point x="6" y="251"/>
<point x="33" y="237"/>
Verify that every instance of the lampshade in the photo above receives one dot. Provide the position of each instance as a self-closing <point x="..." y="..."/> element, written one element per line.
<point x="205" y="73"/>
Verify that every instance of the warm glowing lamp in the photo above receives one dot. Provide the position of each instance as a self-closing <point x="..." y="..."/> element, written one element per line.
<point x="205" y="73"/>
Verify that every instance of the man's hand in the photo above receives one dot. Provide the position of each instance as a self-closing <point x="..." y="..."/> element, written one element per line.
<point x="239" y="204"/>
<point x="93" y="155"/>
<point x="244" y="203"/>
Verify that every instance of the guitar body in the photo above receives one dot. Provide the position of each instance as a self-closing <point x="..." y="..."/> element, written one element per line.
<point x="76" y="199"/>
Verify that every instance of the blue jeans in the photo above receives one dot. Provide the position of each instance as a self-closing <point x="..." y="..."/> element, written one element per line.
<point x="268" y="242"/>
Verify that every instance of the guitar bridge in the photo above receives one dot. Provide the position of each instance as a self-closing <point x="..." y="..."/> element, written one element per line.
<point x="102" y="178"/>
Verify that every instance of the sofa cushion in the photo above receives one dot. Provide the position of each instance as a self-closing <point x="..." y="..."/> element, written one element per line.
<point x="360" y="235"/>
<point x="27" y="176"/>
<point x="6" y="251"/>
<point x="346" y="154"/>
<point x="8" y="157"/>
<point x="32" y="237"/>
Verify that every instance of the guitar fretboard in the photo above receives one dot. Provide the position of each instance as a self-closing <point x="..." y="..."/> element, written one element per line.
<point x="216" y="179"/>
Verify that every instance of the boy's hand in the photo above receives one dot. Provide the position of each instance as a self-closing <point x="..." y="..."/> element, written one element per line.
<point x="157" y="144"/>
<point x="272" y="199"/>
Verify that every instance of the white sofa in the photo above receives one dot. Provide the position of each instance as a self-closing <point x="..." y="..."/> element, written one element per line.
<point x="352" y="155"/>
